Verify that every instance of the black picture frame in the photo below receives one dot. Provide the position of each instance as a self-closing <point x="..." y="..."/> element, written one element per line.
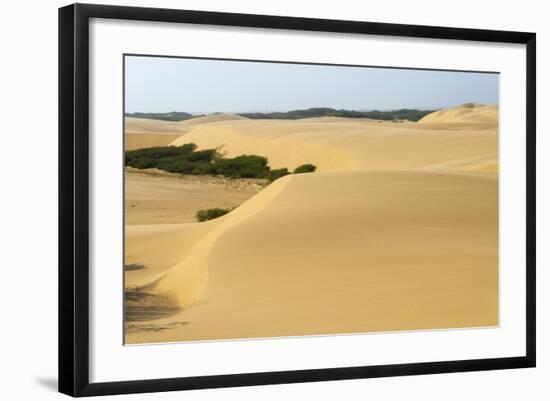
<point x="74" y="199"/>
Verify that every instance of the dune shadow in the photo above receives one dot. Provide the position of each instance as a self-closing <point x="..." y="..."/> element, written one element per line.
<point x="152" y="327"/>
<point x="134" y="266"/>
<point x="142" y="306"/>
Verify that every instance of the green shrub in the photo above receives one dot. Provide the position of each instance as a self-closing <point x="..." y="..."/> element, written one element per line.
<point x="277" y="173"/>
<point x="305" y="168"/>
<point x="182" y="159"/>
<point x="244" y="166"/>
<point x="159" y="152"/>
<point x="176" y="166"/>
<point x="202" y="155"/>
<point x="209" y="214"/>
<point x="186" y="159"/>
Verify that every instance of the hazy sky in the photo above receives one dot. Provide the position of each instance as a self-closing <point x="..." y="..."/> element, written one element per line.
<point x="156" y="84"/>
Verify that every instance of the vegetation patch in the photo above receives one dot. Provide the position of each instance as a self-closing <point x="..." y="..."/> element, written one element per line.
<point x="277" y="173"/>
<point x="209" y="214"/>
<point x="305" y="168"/>
<point x="186" y="159"/>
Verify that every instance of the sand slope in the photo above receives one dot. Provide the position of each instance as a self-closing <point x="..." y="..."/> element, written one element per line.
<point x="278" y="141"/>
<point x="468" y="113"/>
<point x="144" y="132"/>
<point x="398" y="230"/>
<point x="404" y="250"/>
<point x="356" y="144"/>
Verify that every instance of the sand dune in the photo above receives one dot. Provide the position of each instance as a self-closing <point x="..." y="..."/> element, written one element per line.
<point x="283" y="149"/>
<point x="211" y="118"/>
<point x="144" y="132"/>
<point x="281" y="265"/>
<point x="146" y="125"/>
<point x="398" y="230"/>
<point x="468" y="113"/>
<point x="356" y="144"/>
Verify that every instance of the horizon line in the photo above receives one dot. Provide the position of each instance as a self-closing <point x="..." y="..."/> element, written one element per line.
<point x="365" y="110"/>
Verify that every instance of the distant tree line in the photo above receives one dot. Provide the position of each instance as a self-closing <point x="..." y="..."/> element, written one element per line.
<point x="171" y="116"/>
<point x="401" y="114"/>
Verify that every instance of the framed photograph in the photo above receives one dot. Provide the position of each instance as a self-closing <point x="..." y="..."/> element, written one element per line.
<point x="251" y="199"/>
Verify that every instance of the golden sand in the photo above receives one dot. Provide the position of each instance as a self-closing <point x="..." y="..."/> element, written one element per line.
<point x="155" y="197"/>
<point x="397" y="230"/>
<point x="144" y="133"/>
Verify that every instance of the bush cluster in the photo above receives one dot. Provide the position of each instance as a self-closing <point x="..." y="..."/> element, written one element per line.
<point x="277" y="173"/>
<point x="209" y="214"/>
<point x="186" y="159"/>
<point x="244" y="166"/>
<point x="305" y="168"/>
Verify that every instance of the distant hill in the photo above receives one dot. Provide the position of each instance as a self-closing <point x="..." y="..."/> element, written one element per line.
<point x="171" y="116"/>
<point x="401" y="114"/>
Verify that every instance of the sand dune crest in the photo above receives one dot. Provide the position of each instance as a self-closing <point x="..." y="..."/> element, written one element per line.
<point x="468" y="113"/>
<point x="186" y="281"/>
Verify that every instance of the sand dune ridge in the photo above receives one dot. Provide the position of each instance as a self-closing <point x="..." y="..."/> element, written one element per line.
<point x="186" y="281"/>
